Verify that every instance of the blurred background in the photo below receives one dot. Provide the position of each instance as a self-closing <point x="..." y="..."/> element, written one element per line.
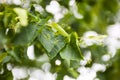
<point x="97" y="22"/>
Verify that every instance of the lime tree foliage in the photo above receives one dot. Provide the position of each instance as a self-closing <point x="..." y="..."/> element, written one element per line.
<point x="21" y="27"/>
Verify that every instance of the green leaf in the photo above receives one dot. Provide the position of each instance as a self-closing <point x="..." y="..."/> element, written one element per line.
<point x="2" y="56"/>
<point x="70" y="53"/>
<point x="14" y="55"/>
<point x="3" y="39"/>
<point x="7" y="19"/>
<point x="22" y="15"/>
<point x="18" y="54"/>
<point x="74" y="63"/>
<point x="26" y="36"/>
<point x="59" y="29"/>
<point x="67" y="63"/>
<point x="73" y="72"/>
<point x="52" y="42"/>
<point x="72" y="50"/>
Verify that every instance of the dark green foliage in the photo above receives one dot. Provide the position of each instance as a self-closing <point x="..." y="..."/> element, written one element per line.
<point x="71" y="51"/>
<point x="22" y="27"/>
<point x="51" y="41"/>
<point x="29" y="33"/>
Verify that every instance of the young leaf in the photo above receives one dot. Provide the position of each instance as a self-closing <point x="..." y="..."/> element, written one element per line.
<point x="59" y="29"/>
<point x="71" y="51"/>
<point x="52" y="42"/>
<point x="22" y="15"/>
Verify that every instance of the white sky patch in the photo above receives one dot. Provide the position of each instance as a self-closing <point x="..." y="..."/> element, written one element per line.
<point x="36" y="74"/>
<point x="89" y="73"/>
<point x="114" y="30"/>
<point x="9" y="1"/>
<point x="17" y="2"/>
<point x="106" y="57"/>
<point x="53" y="8"/>
<point x="88" y="55"/>
<point x="43" y="58"/>
<point x="46" y="67"/>
<point x="87" y="58"/>
<point x="74" y="9"/>
<point x="72" y="2"/>
<point x="112" y="51"/>
<point x="2" y="1"/>
<point x="38" y="8"/>
<point x="58" y="16"/>
<point x="96" y="79"/>
<point x="25" y="4"/>
<point x="117" y="17"/>
<point x="32" y="73"/>
<point x="90" y="33"/>
<point x="57" y="10"/>
<point x="9" y="66"/>
<point x="67" y="78"/>
<point x="86" y="74"/>
<point x="58" y="62"/>
<point x="7" y="31"/>
<point x="19" y="73"/>
<point x="113" y="42"/>
<point x="83" y="62"/>
<point x="98" y="67"/>
<point x="86" y="40"/>
<point x="30" y="52"/>
<point x="113" y="39"/>
<point x="49" y="76"/>
<point x="91" y="37"/>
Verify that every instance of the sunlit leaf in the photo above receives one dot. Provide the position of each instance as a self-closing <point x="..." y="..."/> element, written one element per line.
<point x="71" y="50"/>
<point x="22" y="16"/>
<point x="58" y="28"/>
<point x="52" y="42"/>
